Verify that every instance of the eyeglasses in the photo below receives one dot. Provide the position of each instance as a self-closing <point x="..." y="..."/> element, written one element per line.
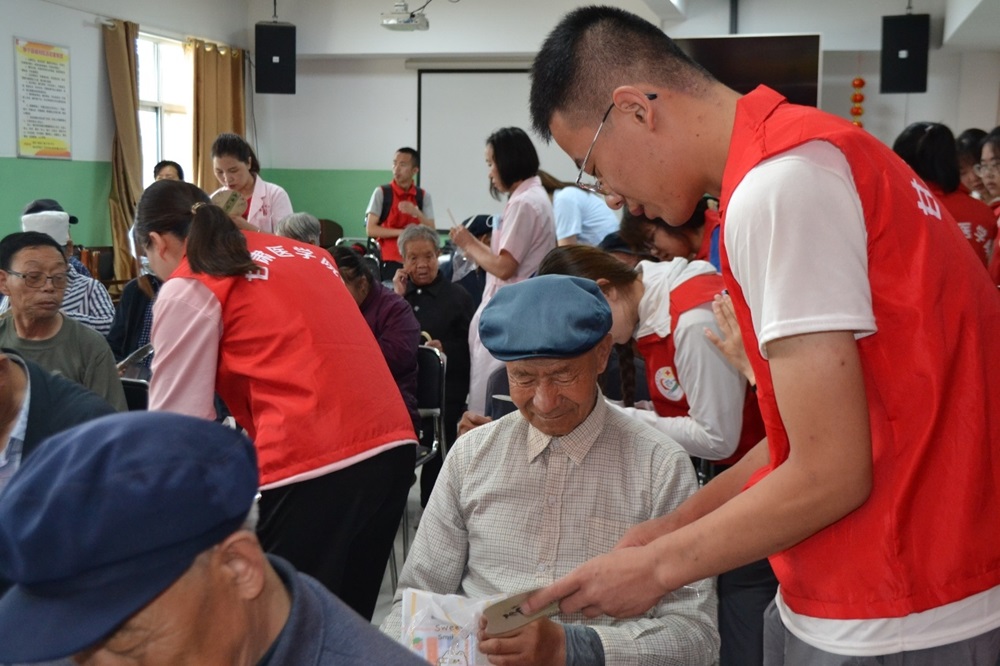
<point x="987" y="168"/>
<point x="584" y="180"/>
<point x="37" y="279"/>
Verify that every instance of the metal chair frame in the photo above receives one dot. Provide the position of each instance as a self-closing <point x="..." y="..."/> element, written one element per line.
<point x="136" y="393"/>
<point x="430" y="404"/>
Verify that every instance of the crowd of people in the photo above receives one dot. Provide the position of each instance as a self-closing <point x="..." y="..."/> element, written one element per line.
<point x="751" y="416"/>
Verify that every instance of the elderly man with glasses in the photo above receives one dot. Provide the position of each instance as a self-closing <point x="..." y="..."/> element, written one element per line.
<point x="523" y="500"/>
<point x="86" y="300"/>
<point x="34" y="275"/>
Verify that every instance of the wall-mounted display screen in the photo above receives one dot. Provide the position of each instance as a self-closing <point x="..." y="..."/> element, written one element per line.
<point x="788" y="63"/>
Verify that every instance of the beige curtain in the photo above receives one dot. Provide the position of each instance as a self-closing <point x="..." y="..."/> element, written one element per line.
<point x="126" y="153"/>
<point x="218" y="103"/>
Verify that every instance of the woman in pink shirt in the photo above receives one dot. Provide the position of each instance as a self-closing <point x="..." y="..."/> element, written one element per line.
<point x="523" y="236"/>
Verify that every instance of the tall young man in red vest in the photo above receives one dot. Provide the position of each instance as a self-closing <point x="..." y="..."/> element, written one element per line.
<point x="395" y="206"/>
<point x="877" y="486"/>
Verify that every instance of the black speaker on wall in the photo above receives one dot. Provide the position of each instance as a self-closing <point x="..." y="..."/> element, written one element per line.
<point x="905" y="42"/>
<point x="275" y="58"/>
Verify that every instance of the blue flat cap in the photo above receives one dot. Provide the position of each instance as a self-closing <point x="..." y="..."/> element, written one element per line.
<point x="549" y="316"/>
<point x="105" y="516"/>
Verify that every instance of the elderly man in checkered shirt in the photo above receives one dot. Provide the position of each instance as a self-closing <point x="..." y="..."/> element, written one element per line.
<point x="523" y="500"/>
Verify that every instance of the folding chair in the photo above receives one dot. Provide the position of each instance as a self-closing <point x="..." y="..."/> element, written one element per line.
<point x="136" y="394"/>
<point x="369" y="250"/>
<point x="430" y="403"/>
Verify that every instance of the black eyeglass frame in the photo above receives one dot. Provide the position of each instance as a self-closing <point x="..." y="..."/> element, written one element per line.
<point x="597" y="187"/>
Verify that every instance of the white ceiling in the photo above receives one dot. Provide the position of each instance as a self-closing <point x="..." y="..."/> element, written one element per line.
<point x="959" y="24"/>
<point x="973" y="24"/>
<point x="472" y="29"/>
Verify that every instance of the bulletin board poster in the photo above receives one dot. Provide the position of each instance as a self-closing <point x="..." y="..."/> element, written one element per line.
<point x="43" y="111"/>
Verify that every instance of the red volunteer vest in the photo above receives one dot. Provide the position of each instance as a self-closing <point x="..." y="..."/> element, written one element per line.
<point x="661" y="372"/>
<point x="994" y="266"/>
<point x="397" y="220"/>
<point x="974" y="218"/>
<point x="926" y="535"/>
<point x="298" y="366"/>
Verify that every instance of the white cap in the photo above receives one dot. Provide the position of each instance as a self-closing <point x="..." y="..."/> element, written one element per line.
<point x="55" y="223"/>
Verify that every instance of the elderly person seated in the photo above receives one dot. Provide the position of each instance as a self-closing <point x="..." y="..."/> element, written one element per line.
<point x="444" y="310"/>
<point x="86" y="299"/>
<point x="299" y="226"/>
<point x="133" y="324"/>
<point x="34" y="275"/>
<point x="33" y="405"/>
<point x="131" y="539"/>
<point x="525" y="499"/>
<point x="391" y="320"/>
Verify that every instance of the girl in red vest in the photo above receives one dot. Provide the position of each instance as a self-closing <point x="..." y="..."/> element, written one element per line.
<point x="929" y="149"/>
<point x="267" y="323"/>
<point x="699" y="400"/>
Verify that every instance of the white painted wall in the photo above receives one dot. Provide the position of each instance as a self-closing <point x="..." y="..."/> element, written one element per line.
<point x="352" y="112"/>
<point x="351" y="27"/>
<point x="355" y="113"/>
<point x="346" y="114"/>
<point x="961" y="92"/>
<point x="217" y="20"/>
<point x="90" y="130"/>
<point x="344" y="75"/>
<point x="76" y="24"/>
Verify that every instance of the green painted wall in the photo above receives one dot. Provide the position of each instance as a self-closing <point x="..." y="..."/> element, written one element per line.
<point x="80" y="187"/>
<point x="340" y="195"/>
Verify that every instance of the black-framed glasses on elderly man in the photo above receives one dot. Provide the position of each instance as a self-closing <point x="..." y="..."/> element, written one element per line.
<point x="37" y="279"/>
<point x="586" y="181"/>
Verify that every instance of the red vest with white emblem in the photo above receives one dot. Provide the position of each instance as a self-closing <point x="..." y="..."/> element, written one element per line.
<point x="665" y="392"/>
<point x="298" y="366"/>
<point x="926" y="536"/>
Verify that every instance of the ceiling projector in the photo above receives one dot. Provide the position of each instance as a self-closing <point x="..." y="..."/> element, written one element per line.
<point x="401" y="18"/>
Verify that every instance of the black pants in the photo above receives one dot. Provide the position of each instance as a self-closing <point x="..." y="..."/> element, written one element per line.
<point x="339" y="528"/>
<point x="744" y="594"/>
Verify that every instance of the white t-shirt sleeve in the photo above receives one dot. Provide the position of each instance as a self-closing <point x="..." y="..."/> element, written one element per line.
<point x="715" y="390"/>
<point x="375" y="203"/>
<point x="798" y="246"/>
<point x="568" y="211"/>
<point x="428" y="209"/>
<point x="715" y="393"/>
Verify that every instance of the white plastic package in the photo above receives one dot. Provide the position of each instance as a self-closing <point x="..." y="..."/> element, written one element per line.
<point x="442" y="628"/>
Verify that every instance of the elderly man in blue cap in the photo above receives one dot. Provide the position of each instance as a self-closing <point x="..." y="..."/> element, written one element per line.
<point x="130" y="539"/>
<point x="523" y="500"/>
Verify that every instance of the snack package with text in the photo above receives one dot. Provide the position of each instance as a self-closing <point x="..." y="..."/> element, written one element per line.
<point x="442" y="628"/>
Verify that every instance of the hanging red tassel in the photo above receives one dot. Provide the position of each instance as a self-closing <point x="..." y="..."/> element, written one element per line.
<point x="857" y="110"/>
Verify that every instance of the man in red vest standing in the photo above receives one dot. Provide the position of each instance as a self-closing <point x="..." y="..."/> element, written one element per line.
<point x="395" y="206"/>
<point x="869" y="333"/>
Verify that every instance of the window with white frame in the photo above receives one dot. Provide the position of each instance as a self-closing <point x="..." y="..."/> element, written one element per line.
<point x="166" y="88"/>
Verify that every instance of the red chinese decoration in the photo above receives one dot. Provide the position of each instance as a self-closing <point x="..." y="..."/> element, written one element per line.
<point x="857" y="110"/>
